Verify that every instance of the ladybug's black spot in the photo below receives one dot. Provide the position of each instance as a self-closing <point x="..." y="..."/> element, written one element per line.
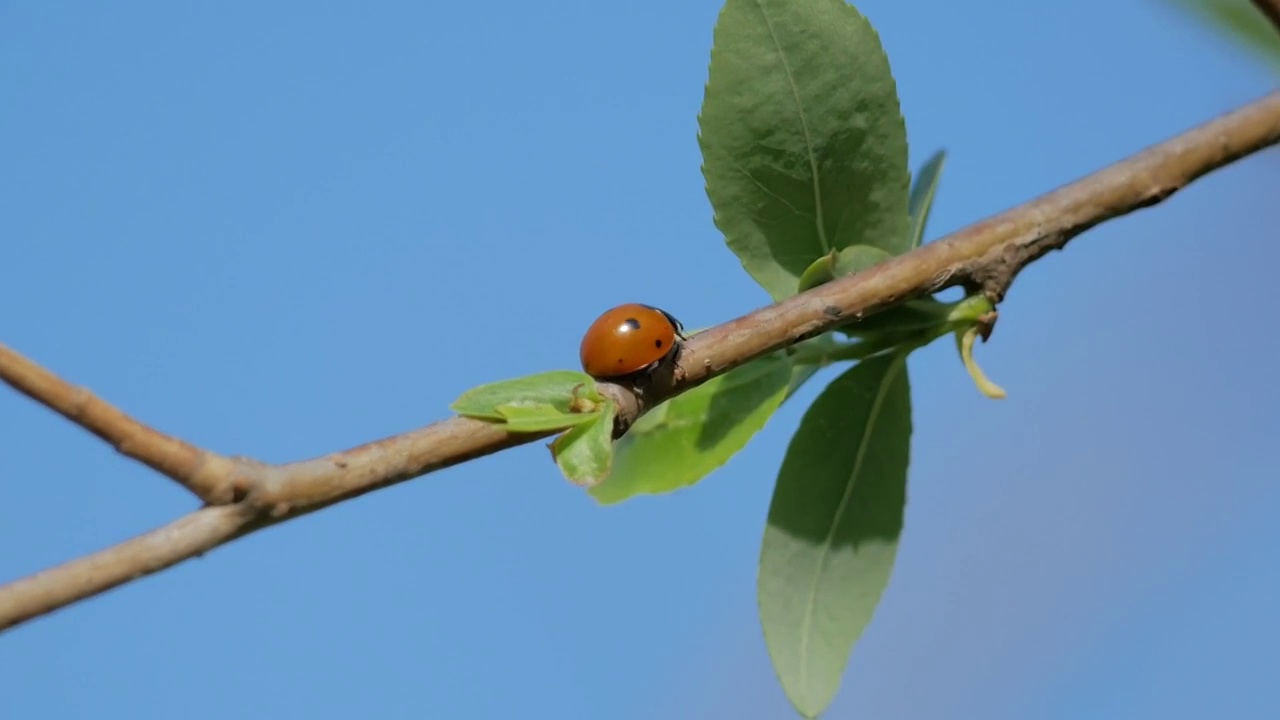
<point x="632" y="323"/>
<point x="657" y="343"/>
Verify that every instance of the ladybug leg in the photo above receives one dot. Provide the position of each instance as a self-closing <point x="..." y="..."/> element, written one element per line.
<point x="644" y="378"/>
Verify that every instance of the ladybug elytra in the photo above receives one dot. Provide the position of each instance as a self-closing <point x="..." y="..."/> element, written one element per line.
<point x="629" y="339"/>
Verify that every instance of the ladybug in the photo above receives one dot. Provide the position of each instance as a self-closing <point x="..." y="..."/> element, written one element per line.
<point x="629" y="339"/>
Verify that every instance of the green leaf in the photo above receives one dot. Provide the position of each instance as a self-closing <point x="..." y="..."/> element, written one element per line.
<point x="819" y="272"/>
<point x="541" y="417"/>
<point x="807" y="358"/>
<point x="922" y="193"/>
<point x="585" y="453"/>
<point x="1241" y="19"/>
<point x="804" y="148"/>
<point x="533" y="403"/>
<point x="834" y="526"/>
<point x="841" y="263"/>
<point x="856" y="258"/>
<point x="681" y="441"/>
<point x="917" y="314"/>
<point x="800" y="374"/>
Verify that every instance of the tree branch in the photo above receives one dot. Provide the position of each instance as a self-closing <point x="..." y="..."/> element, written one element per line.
<point x="180" y="540"/>
<point x="245" y="495"/>
<point x="1270" y="8"/>
<point x="197" y="470"/>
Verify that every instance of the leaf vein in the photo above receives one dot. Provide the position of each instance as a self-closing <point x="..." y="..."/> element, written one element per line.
<point x="804" y="126"/>
<point x="810" y="605"/>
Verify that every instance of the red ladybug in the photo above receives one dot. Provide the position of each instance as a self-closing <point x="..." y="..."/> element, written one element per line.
<point x="629" y="339"/>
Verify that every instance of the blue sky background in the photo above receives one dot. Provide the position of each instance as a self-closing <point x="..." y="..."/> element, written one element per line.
<point x="284" y="229"/>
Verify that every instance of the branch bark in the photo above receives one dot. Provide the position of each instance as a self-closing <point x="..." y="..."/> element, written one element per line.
<point x="197" y="470"/>
<point x="243" y="495"/>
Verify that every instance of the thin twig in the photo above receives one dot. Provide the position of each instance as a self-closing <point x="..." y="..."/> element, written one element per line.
<point x="204" y="473"/>
<point x="249" y="496"/>
<point x="1270" y="8"/>
<point x="84" y="577"/>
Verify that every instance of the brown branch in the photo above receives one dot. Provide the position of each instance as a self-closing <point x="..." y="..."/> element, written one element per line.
<point x="200" y="471"/>
<point x="85" y="577"/>
<point x="248" y="496"/>
<point x="1270" y="8"/>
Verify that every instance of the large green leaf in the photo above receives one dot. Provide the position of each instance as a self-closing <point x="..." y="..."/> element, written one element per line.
<point x="834" y="525"/>
<point x="804" y="148"/>
<point x="684" y="439"/>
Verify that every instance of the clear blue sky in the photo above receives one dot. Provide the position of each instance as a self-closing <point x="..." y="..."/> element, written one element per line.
<point x="281" y="229"/>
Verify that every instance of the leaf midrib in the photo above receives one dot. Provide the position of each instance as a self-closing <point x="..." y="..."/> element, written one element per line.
<point x="804" y="126"/>
<point x="811" y="602"/>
